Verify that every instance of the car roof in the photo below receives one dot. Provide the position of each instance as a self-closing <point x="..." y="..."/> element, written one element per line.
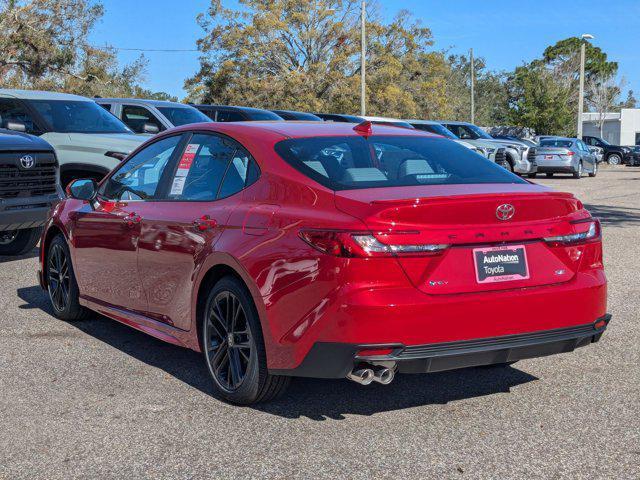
<point x="423" y="122"/>
<point x="453" y="122"/>
<point x="231" y="107"/>
<point x="560" y="138"/>
<point x="155" y="103"/>
<point x="300" y="129"/>
<point x="41" y="95"/>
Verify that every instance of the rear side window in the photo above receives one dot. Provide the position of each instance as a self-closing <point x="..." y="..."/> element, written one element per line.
<point x="211" y="167"/>
<point x="354" y="162"/>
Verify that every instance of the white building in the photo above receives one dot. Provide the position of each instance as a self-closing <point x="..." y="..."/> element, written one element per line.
<point x="621" y="128"/>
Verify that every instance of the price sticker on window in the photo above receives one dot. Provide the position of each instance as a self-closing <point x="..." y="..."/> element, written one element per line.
<point x="186" y="161"/>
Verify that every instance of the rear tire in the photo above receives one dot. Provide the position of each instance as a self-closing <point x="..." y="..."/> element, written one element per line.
<point x="532" y="175"/>
<point x="595" y="170"/>
<point x="614" y="159"/>
<point x="20" y="241"/>
<point x="578" y="173"/>
<point x="233" y="346"/>
<point x="61" y="282"/>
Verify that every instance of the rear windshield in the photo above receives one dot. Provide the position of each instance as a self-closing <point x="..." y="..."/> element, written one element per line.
<point x="344" y="163"/>
<point x="556" y="143"/>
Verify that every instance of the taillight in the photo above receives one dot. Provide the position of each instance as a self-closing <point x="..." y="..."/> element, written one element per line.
<point x="592" y="234"/>
<point x="571" y="154"/>
<point x="362" y="244"/>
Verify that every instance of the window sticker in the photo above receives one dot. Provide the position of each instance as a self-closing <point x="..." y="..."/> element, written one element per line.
<point x="183" y="168"/>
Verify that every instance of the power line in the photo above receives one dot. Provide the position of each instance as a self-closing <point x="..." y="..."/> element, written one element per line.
<point x="164" y="50"/>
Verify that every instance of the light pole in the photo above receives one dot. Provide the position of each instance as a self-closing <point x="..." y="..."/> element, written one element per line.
<point x="363" y="62"/>
<point x="473" y="87"/>
<point x="584" y="37"/>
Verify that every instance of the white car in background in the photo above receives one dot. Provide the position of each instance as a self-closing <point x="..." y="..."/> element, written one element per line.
<point x="88" y="140"/>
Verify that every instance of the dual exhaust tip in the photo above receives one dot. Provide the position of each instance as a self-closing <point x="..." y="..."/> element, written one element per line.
<point x="368" y="375"/>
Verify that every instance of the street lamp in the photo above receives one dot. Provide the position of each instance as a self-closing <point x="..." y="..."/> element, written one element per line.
<point x="584" y="37"/>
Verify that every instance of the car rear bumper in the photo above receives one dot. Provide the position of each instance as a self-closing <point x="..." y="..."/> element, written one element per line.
<point x="555" y="169"/>
<point x="336" y="360"/>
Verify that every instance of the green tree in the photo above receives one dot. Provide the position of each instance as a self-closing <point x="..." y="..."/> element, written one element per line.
<point x="44" y="45"/>
<point x="539" y="101"/>
<point x="304" y="54"/>
<point x="630" y="101"/>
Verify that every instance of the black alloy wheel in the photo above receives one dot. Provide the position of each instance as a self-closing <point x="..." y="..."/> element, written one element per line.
<point x="233" y="345"/>
<point x="59" y="279"/>
<point x="229" y="342"/>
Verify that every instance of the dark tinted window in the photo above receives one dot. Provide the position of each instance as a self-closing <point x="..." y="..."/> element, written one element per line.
<point x="139" y="177"/>
<point x="12" y="111"/>
<point x="229" y="116"/>
<point x="106" y="106"/>
<point x="389" y="161"/>
<point x="135" y="117"/>
<point x="183" y="115"/>
<point x="206" y="161"/>
<point x="434" y="128"/>
<point x="554" y="142"/>
<point x="209" y="112"/>
<point x="66" y="116"/>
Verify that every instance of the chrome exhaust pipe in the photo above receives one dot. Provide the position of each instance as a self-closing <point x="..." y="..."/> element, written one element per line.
<point x="363" y="376"/>
<point x="384" y="375"/>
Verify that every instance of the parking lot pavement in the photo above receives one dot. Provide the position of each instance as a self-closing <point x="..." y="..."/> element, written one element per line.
<point x="97" y="399"/>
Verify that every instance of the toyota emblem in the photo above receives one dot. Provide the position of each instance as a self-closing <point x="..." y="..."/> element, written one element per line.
<point x="27" y="161"/>
<point x="505" y="211"/>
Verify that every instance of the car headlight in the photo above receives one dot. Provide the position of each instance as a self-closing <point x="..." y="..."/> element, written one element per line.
<point x="626" y="150"/>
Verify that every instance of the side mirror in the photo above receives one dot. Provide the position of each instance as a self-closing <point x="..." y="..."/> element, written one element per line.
<point x="82" y="189"/>
<point x="16" y="126"/>
<point x="151" y="128"/>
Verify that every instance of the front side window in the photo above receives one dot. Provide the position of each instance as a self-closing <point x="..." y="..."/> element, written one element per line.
<point x="354" y="162"/>
<point x="136" y="117"/>
<point x="211" y="167"/>
<point x="140" y="177"/>
<point x="11" y="110"/>
<point x="435" y="128"/>
<point x="65" y="116"/>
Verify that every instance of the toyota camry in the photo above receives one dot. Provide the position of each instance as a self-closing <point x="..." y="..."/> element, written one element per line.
<point x="326" y="250"/>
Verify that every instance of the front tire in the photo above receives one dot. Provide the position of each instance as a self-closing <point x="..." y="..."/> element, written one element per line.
<point x="61" y="282"/>
<point x="549" y="175"/>
<point x="532" y="175"/>
<point x="19" y="242"/>
<point x="614" y="159"/>
<point x="233" y="346"/>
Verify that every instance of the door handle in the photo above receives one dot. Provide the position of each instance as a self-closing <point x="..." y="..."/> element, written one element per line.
<point x="132" y="219"/>
<point x="204" y="223"/>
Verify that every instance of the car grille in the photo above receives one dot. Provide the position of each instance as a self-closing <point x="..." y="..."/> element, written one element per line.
<point x="17" y="182"/>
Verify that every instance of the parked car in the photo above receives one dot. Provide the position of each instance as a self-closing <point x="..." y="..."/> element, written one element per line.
<point x="327" y="250"/>
<point x="331" y="117"/>
<point x="634" y="158"/>
<point x="151" y="116"/>
<point x="338" y="117"/>
<point x="517" y="158"/>
<point x="526" y="141"/>
<point x="494" y="153"/>
<point x="292" y="115"/>
<point x="564" y="155"/>
<point x="29" y="187"/>
<point x="613" y="154"/>
<point x="225" y="113"/>
<point x="88" y="140"/>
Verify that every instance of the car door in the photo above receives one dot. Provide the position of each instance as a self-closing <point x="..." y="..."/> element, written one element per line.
<point x="179" y="232"/>
<point x="106" y="233"/>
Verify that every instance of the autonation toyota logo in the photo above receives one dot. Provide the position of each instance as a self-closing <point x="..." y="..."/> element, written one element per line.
<point x="27" y="161"/>
<point x="505" y="211"/>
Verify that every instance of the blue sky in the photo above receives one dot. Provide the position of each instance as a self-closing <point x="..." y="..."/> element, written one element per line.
<point x="504" y="35"/>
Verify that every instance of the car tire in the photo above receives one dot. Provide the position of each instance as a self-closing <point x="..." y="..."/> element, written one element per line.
<point x="595" y="170"/>
<point x="549" y="175"/>
<point x="19" y="242"/>
<point x="233" y="346"/>
<point x="614" y="159"/>
<point x="578" y="173"/>
<point x="62" y="286"/>
<point x="532" y="175"/>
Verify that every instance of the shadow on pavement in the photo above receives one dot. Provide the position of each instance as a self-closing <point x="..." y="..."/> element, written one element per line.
<point x="32" y="254"/>
<point x="615" y="216"/>
<point x="311" y="398"/>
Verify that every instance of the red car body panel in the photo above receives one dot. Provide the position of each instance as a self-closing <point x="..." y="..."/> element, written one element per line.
<point x="147" y="272"/>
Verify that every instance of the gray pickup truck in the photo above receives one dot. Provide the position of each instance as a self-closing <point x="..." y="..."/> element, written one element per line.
<point x="29" y="187"/>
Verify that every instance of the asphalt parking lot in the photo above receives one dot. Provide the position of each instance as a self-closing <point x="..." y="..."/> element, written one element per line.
<point x="97" y="399"/>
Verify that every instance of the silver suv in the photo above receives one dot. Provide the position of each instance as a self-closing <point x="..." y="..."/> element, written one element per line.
<point x="151" y="116"/>
<point x="88" y="141"/>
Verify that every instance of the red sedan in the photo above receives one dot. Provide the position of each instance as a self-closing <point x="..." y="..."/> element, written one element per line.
<point x="327" y="250"/>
